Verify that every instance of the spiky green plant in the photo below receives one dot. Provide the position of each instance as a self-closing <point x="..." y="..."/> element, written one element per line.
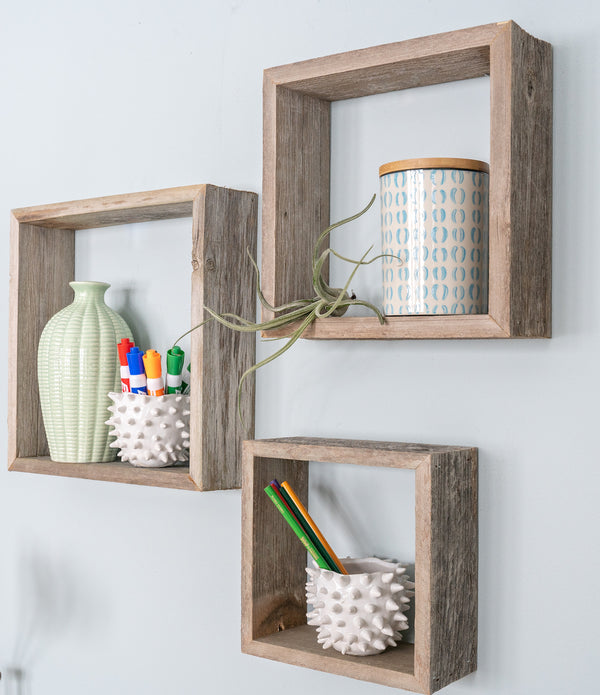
<point x="328" y="301"/>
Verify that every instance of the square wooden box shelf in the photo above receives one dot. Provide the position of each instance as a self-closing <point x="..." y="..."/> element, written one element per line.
<point x="43" y="263"/>
<point x="273" y="562"/>
<point x="296" y="153"/>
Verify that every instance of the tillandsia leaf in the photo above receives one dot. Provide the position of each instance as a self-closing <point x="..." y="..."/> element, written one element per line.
<point x="343" y="292"/>
<point x="299" y="314"/>
<point x="261" y="296"/>
<point x="331" y="227"/>
<point x="255" y="327"/>
<point x="294" y="337"/>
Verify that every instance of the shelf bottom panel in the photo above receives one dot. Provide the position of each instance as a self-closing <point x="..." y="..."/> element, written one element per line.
<point x="177" y="477"/>
<point x="299" y="646"/>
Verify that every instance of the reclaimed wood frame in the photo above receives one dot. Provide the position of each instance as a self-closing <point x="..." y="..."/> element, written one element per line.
<point x="296" y="173"/>
<point x="42" y="263"/>
<point x="446" y="558"/>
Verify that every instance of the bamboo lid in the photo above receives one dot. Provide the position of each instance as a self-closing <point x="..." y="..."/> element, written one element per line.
<point x="434" y="163"/>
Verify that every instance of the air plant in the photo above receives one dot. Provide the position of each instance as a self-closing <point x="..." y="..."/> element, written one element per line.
<point x="328" y="301"/>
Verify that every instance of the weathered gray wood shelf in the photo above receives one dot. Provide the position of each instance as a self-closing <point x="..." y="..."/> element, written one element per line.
<point x="446" y="557"/>
<point x="42" y="262"/>
<point x="296" y="154"/>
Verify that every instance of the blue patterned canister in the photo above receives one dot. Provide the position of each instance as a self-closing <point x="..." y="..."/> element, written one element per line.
<point x="434" y="219"/>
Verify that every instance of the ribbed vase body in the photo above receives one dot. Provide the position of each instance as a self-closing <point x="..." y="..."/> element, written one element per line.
<point x="78" y="366"/>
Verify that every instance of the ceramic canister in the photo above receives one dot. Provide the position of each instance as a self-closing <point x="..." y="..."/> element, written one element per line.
<point x="434" y="219"/>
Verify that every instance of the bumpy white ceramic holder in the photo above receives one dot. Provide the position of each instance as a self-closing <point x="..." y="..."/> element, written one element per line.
<point x="151" y="431"/>
<point x="361" y="613"/>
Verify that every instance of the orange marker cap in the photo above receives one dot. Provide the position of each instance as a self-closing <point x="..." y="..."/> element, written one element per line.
<point x="152" y="364"/>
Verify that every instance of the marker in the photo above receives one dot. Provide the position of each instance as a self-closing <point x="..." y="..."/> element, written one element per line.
<point x="303" y="511"/>
<point x="155" y="383"/>
<point x="124" y="347"/>
<point x="175" y="357"/>
<point x="306" y="542"/>
<point x="137" y="376"/>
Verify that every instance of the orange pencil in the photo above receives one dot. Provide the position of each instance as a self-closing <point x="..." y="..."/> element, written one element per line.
<point x="302" y="509"/>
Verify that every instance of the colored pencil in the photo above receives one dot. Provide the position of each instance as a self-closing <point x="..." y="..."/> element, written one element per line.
<point x="302" y="509"/>
<point x="298" y="530"/>
<point x="274" y="485"/>
<point x="308" y="530"/>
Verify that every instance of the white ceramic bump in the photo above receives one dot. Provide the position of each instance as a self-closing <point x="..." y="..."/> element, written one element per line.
<point x="363" y="612"/>
<point x="434" y="219"/>
<point x="151" y="431"/>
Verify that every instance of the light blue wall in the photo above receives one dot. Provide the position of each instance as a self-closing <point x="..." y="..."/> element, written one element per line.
<point x="107" y="588"/>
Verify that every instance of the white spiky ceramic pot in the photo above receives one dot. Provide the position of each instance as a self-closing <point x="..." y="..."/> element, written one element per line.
<point x="151" y="431"/>
<point x="363" y="612"/>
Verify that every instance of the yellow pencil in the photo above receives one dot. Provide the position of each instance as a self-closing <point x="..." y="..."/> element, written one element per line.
<point x="285" y="485"/>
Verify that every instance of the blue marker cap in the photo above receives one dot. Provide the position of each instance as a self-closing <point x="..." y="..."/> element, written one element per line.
<point x="135" y="361"/>
<point x="137" y="375"/>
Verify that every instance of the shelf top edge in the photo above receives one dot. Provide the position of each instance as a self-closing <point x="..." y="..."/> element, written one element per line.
<point x="162" y="196"/>
<point x="375" y="445"/>
<point x="460" y="39"/>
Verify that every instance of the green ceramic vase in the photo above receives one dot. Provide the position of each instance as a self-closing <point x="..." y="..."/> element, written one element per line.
<point x="78" y="365"/>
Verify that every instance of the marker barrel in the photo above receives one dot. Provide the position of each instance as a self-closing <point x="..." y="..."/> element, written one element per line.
<point x="138" y="383"/>
<point x="155" y="386"/>
<point x="125" y="383"/>
<point x="174" y="382"/>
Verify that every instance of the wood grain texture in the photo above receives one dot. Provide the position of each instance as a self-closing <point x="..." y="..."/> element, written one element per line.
<point x="224" y="226"/>
<point x="273" y="559"/>
<point x="465" y="326"/>
<point x="295" y="190"/>
<point x="41" y="266"/>
<point x="43" y="263"/>
<point x="357" y="451"/>
<point x="454" y="55"/>
<point x="177" y="477"/>
<point x="531" y="190"/>
<point x="454" y="567"/>
<point x="445" y="562"/>
<point x="520" y="69"/>
<point x="299" y="646"/>
<point x="106" y="211"/>
<point x="521" y="183"/>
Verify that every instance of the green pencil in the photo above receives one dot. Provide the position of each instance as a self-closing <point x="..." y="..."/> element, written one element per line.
<point x="297" y="529"/>
<point x="309" y="532"/>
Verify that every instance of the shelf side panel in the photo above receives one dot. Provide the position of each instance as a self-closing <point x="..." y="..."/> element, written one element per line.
<point x="531" y="191"/>
<point x="454" y="567"/>
<point x="296" y="150"/>
<point x="41" y="267"/>
<point x="222" y="279"/>
<point x="521" y="183"/>
<point x="273" y="559"/>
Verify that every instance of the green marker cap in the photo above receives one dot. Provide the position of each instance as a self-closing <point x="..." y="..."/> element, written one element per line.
<point x="175" y="358"/>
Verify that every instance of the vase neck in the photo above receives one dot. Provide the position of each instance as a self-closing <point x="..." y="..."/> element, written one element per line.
<point x="89" y="291"/>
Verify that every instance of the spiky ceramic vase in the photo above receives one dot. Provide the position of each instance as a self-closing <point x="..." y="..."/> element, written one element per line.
<point x="363" y="612"/>
<point x="151" y="431"/>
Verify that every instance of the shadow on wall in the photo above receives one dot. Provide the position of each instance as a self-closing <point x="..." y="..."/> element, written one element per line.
<point x="54" y="603"/>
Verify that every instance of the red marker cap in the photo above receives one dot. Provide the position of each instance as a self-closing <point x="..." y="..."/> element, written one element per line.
<point x="124" y="347"/>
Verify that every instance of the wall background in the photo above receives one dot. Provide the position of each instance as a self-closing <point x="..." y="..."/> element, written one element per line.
<point x="107" y="588"/>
